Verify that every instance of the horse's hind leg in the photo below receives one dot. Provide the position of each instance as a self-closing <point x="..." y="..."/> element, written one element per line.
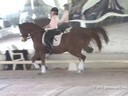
<point x="81" y="58"/>
<point x="81" y="63"/>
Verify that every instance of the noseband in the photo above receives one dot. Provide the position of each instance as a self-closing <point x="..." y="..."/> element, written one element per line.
<point x="28" y="37"/>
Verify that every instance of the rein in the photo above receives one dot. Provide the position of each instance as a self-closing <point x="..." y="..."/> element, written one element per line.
<point x="29" y="37"/>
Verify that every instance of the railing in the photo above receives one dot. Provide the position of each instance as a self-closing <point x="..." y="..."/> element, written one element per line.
<point x="64" y="61"/>
<point x="84" y="22"/>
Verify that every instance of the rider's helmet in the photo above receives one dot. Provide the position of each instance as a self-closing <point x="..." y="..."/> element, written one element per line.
<point x="66" y="6"/>
<point x="55" y="10"/>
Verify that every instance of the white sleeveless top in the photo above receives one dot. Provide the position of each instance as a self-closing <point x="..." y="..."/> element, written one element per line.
<point x="53" y="23"/>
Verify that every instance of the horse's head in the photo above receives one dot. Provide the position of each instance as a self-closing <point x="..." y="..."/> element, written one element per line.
<point x="30" y="29"/>
<point x="24" y="32"/>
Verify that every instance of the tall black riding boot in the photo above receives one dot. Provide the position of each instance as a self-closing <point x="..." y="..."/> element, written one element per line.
<point x="50" y="47"/>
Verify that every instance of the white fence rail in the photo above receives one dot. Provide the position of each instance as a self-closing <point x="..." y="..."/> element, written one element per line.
<point x="64" y="61"/>
<point x="110" y="14"/>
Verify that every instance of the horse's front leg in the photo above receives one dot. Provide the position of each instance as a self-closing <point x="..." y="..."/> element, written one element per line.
<point x="43" y="66"/>
<point x="36" y="56"/>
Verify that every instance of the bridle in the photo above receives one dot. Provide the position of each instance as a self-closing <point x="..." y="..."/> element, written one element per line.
<point x="25" y="38"/>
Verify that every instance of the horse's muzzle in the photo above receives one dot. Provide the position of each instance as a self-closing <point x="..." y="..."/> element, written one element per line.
<point x="23" y="39"/>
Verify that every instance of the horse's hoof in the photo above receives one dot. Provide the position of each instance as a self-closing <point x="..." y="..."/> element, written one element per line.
<point x="80" y="71"/>
<point x="43" y="69"/>
<point x="36" y="65"/>
<point x="40" y="73"/>
<point x="46" y="68"/>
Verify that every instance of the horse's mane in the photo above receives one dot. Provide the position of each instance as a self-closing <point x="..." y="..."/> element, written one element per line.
<point x="29" y="25"/>
<point x="42" y="21"/>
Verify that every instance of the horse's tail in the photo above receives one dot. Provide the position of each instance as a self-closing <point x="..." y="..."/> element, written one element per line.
<point x="97" y="34"/>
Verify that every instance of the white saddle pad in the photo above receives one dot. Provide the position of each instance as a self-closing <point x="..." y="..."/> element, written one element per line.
<point x="56" y="40"/>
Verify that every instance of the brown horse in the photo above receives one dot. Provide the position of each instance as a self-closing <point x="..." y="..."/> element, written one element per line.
<point x="45" y="21"/>
<point x="72" y="42"/>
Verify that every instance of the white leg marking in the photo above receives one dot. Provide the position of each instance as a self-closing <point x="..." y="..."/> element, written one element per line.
<point x="43" y="69"/>
<point x="36" y="65"/>
<point x="81" y="66"/>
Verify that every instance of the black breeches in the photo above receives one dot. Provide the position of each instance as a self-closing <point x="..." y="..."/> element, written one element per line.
<point x="50" y="36"/>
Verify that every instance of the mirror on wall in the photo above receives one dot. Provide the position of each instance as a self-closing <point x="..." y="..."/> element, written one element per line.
<point x="105" y="13"/>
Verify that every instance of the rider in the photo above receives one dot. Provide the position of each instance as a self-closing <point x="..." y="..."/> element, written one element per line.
<point x="64" y="21"/>
<point x="51" y="28"/>
<point x="65" y="16"/>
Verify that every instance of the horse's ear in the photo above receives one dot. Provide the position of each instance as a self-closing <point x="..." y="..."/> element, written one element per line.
<point x="18" y="24"/>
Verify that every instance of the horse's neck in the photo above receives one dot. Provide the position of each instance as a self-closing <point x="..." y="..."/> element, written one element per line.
<point x="36" y="35"/>
<point x="36" y="29"/>
<point x="37" y="41"/>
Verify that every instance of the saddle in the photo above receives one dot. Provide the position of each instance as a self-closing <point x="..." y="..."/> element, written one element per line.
<point x="62" y="27"/>
<point x="52" y="36"/>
